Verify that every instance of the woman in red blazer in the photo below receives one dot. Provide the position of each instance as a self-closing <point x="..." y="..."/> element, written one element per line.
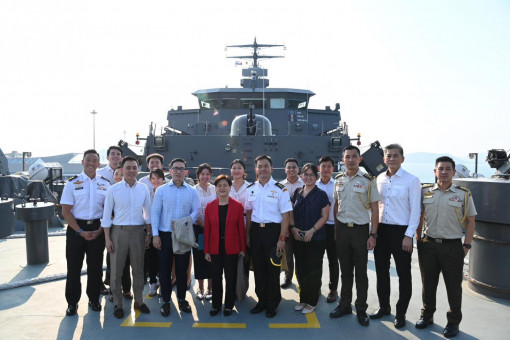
<point x="224" y="241"/>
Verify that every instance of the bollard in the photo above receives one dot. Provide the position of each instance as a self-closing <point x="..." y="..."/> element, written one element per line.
<point x="6" y="217"/>
<point x="36" y="216"/>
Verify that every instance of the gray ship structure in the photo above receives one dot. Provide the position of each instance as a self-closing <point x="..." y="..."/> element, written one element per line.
<point x="252" y="120"/>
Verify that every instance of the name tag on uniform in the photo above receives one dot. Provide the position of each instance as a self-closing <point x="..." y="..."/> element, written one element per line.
<point x="78" y="188"/>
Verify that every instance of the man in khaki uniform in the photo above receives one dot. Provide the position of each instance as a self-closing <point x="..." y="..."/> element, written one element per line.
<point x="355" y="194"/>
<point x="446" y="210"/>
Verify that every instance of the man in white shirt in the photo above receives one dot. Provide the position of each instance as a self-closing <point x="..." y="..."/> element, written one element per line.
<point x="154" y="161"/>
<point x="399" y="216"/>
<point x="126" y="218"/>
<point x="114" y="157"/>
<point x="326" y="183"/>
<point x="292" y="182"/>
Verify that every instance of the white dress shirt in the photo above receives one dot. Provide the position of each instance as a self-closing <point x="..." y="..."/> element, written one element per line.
<point x="400" y="202"/>
<point x="240" y="195"/>
<point x="267" y="202"/>
<point x="131" y="204"/>
<point x="329" y="188"/>
<point x="107" y="172"/>
<point x="86" y="195"/>
<point x="291" y="187"/>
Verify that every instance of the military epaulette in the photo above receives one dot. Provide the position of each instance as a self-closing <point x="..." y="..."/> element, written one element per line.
<point x="281" y="186"/>
<point x="106" y="179"/>
<point x="429" y="185"/>
<point x="370" y="177"/>
<point x="340" y="174"/>
<point x="250" y="185"/>
<point x="463" y="188"/>
<point x="74" y="177"/>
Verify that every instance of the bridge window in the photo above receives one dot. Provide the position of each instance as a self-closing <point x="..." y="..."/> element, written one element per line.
<point x="277" y="103"/>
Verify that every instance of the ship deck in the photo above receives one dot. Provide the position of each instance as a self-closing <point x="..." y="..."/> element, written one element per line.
<point x="32" y="305"/>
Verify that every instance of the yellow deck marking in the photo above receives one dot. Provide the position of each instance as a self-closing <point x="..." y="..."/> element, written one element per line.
<point x="218" y="325"/>
<point x="131" y="322"/>
<point x="311" y="322"/>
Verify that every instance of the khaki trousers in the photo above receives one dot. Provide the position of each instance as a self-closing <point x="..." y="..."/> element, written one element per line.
<point x="127" y="239"/>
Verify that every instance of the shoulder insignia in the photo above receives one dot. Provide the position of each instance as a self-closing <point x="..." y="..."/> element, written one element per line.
<point x="340" y="174"/>
<point x="429" y="185"/>
<point x="370" y="177"/>
<point x="250" y="185"/>
<point x="106" y="179"/>
<point x="74" y="177"/>
<point x="463" y="188"/>
<point x="281" y="186"/>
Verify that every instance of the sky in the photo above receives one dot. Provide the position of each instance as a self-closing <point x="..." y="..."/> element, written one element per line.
<point x="431" y="75"/>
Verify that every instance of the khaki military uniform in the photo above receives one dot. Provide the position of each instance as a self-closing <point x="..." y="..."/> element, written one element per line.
<point x="441" y="250"/>
<point x="354" y="196"/>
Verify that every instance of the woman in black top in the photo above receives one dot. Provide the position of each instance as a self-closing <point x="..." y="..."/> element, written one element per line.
<point x="311" y="211"/>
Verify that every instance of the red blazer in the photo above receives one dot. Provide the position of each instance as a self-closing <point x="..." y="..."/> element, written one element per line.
<point x="235" y="232"/>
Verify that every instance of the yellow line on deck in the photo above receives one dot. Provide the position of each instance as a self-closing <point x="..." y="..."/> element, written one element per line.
<point x="311" y="322"/>
<point x="131" y="322"/>
<point x="218" y="325"/>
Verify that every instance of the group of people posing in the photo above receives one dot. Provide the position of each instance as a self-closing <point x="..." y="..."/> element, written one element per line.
<point x="153" y="225"/>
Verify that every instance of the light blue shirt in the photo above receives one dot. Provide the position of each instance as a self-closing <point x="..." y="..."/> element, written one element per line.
<point x="172" y="203"/>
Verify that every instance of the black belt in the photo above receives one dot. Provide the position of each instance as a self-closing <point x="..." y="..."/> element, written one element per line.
<point x="97" y="220"/>
<point x="393" y="225"/>
<point x="352" y="225"/>
<point x="263" y="225"/>
<point x="443" y="240"/>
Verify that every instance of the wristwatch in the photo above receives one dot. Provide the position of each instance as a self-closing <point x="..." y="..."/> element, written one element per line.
<point x="374" y="235"/>
<point x="467" y="245"/>
<point x="79" y="232"/>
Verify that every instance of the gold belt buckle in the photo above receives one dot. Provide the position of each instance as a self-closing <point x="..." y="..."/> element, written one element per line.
<point x="438" y="240"/>
<point x="350" y="224"/>
<point x="262" y="225"/>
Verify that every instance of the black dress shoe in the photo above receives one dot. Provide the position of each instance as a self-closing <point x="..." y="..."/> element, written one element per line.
<point x="363" y="318"/>
<point x="451" y="330"/>
<point x="214" y="312"/>
<point x="257" y="309"/>
<point x="286" y="284"/>
<point x="71" y="310"/>
<point x="118" y="312"/>
<point x="332" y="296"/>
<point x="270" y="313"/>
<point x="165" y="309"/>
<point x="142" y="308"/>
<point x="382" y="311"/>
<point x="96" y="306"/>
<point x="340" y="311"/>
<point x="422" y="323"/>
<point x="103" y="289"/>
<point x="227" y="311"/>
<point x="400" y="321"/>
<point x="184" y="306"/>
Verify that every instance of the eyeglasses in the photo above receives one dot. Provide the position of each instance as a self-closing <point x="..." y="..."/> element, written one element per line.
<point x="178" y="169"/>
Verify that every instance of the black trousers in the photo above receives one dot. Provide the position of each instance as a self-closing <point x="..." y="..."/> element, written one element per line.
<point x="126" y="273"/>
<point x="151" y="263"/>
<point x="228" y="264"/>
<point x="448" y="259"/>
<point x="289" y="257"/>
<point x="389" y="242"/>
<point x="202" y="268"/>
<point x="309" y="257"/>
<point x="267" y="276"/>
<point x="351" y="246"/>
<point x="76" y="249"/>
<point x="166" y="256"/>
<point x="334" y="267"/>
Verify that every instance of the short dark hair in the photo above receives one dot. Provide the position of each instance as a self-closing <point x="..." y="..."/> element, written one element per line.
<point x="395" y="146"/>
<point x="445" y="159"/>
<point x="238" y="161"/>
<point x="129" y="159"/>
<point x="155" y="155"/>
<point x="202" y="167"/>
<point x="351" y="147"/>
<point x="178" y="160"/>
<point x="113" y="147"/>
<point x="157" y="172"/>
<point x="310" y="166"/>
<point x="325" y="159"/>
<point x="290" y="160"/>
<point x="91" y="151"/>
<point x="223" y="177"/>
<point x="266" y="157"/>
